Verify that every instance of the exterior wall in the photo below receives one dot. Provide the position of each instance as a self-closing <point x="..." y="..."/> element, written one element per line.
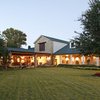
<point x="57" y="46"/>
<point x="48" y="45"/>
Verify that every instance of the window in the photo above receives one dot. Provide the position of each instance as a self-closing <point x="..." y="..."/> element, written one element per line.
<point x="42" y="46"/>
<point x="72" y="44"/>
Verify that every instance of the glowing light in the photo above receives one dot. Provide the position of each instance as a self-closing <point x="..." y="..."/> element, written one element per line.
<point x="66" y="55"/>
<point x="22" y="57"/>
<point x="94" y="57"/>
<point x="67" y="59"/>
<point x="72" y="58"/>
<point x="77" y="59"/>
<point x="32" y="60"/>
<point x="18" y="59"/>
<point x="48" y="58"/>
<point x="22" y="61"/>
<point x="12" y="61"/>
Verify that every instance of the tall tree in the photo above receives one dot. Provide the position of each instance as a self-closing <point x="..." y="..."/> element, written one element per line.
<point x="14" y="37"/>
<point x="1" y="44"/>
<point x="89" y="40"/>
<point x="3" y="52"/>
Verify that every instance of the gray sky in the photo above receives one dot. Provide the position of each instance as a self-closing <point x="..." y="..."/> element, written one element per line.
<point x="55" y="18"/>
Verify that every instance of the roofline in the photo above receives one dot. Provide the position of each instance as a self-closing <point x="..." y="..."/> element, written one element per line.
<point x="38" y="38"/>
<point x="50" y="39"/>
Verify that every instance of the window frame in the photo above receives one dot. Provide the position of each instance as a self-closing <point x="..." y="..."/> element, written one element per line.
<point x="42" y="46"/>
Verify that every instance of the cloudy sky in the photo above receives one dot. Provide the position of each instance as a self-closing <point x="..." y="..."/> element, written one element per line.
<point x="55" y="18"/>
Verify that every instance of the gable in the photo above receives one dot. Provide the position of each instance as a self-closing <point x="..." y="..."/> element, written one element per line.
<point x="51" y="39"/>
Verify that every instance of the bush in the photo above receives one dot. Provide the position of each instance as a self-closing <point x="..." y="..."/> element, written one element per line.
<point x="97" y="74"/>
<point x="70" y="66"/>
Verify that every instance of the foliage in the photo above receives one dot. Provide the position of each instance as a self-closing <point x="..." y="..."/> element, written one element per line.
<point x="4" y="52"/>
<point x="1" y="44"/>
<point x="15" y="38"/>
<point x="89" y="40"/>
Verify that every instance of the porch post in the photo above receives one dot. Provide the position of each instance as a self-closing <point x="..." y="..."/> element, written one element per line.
<point x="60" y="59"/>
<point x="35" y="60"/>
<point x="70" y="59"/>
<point x="52" y="59"/>
<point x="10" y="63"/>
<point x="97" y="61"/>
<point x="83" y="59"/>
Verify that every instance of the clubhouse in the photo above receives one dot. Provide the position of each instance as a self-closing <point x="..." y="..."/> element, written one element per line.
<point x="50" y="51"/>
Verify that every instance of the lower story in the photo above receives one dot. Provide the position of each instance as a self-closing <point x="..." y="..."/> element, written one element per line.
<point x="39" y="59"/>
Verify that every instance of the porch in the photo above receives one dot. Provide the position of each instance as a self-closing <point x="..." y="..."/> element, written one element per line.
<point x="76" y="59"/>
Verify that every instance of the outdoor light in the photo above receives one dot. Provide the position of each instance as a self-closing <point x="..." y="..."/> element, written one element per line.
<point x="67" y="59"/>
<point x="77" y="59"/>
<point x="22" y="61"/>
<point x="32" y="60"/>
<point x="22" y="57"/>
<point x="94" y="57"/>
<point x="18" y="60"/>
<point x="12" y="61"/>
<point x="48" y="58"/>
<point x="72" y="58"/>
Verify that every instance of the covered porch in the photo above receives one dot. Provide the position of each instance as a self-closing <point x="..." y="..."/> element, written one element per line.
<point x="43" y="59"/>
<point x="76" y="59"/>
<point x="25" y="59"/>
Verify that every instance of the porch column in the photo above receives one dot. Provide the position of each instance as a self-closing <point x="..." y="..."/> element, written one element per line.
<point x="83" y="59"/>
<point x="52" y="59"/>
<point x="70" y="59"/>
<point x="60" y="59"/>
<point x="97" y="61"/>
<point x="35" y="60"/>
<point x="10" y="59"/>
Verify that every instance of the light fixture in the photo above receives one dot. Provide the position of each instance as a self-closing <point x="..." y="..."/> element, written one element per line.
<point x="67" y="59"/>
<point x="48" y="58"/>
<point x="77" y="59"/>
<point x="18" y="59"/>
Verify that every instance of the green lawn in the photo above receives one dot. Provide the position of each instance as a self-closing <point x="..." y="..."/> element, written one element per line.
<point x="49" y="84"/>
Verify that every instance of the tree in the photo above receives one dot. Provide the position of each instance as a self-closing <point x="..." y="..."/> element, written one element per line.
<point x="14" y="37"/>
<point x="1" y="44"/>
<point x="89" y="40"/>
<point x="3" y="51"/>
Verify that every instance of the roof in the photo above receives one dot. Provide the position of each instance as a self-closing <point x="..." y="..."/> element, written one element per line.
<point x="52" y="39"/>
<point x="67" y="50"/>
<point x="31" y="50"/>
<point x="55" y="39"/>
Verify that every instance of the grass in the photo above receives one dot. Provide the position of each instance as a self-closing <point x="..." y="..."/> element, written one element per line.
<point x="49" y="84"/>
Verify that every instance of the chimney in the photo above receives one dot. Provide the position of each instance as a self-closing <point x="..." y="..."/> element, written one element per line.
<point x="29" y="47"/>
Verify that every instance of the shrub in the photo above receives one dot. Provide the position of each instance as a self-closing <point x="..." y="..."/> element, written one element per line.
<point x="97" y="74"/>
<point x="70" y="65"/>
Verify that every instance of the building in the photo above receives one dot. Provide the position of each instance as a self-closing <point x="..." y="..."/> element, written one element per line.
<point x="50" y="51"/>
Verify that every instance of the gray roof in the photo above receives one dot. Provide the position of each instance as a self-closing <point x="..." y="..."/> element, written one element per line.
<point x="67" y="50"/>
<point x="31" y="50"/>
<point x="57" y="40"/>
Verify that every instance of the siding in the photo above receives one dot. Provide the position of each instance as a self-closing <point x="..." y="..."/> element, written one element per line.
<point x="57" y="46"/>
<point x="48" y="45"/>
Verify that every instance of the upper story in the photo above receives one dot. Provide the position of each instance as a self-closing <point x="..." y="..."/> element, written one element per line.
<point x="45" y="44"/>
